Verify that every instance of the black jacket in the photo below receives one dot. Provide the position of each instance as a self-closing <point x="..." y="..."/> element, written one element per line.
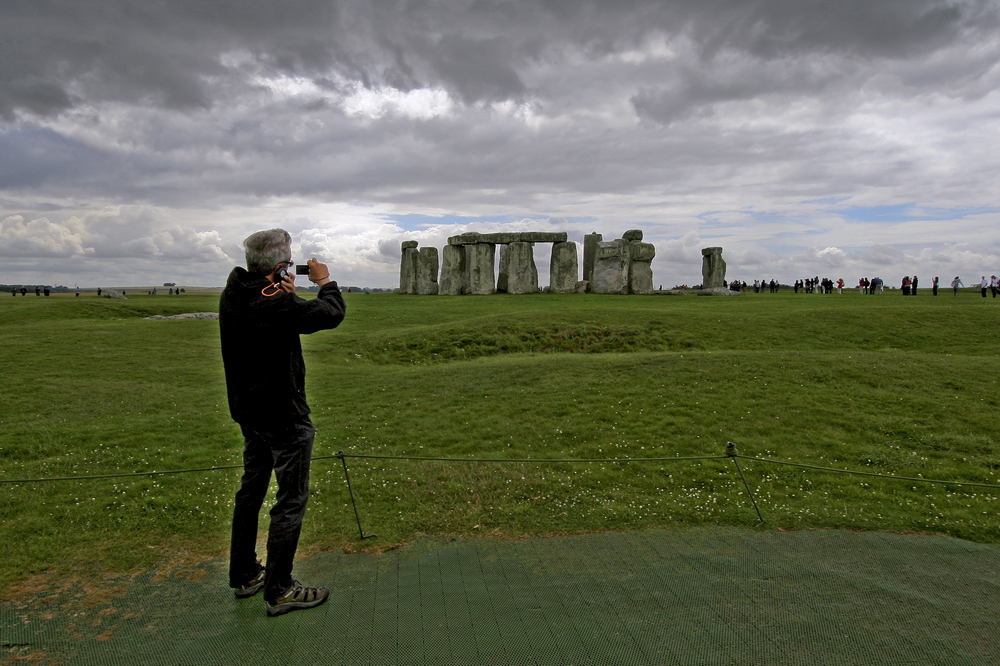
<point x="265" y="373"/>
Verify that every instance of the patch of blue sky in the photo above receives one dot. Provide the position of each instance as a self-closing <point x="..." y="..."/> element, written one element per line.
<point x="711" y="218"/>
<point x="908" y="212"/>
<point x="417" y="221"/>
<point x="801" y="232"/>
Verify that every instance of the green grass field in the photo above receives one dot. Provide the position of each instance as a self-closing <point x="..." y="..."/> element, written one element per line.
<point x="904" y="386"/>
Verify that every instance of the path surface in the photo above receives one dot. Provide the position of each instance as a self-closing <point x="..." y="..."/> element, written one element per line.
<point x="698" y="596"/>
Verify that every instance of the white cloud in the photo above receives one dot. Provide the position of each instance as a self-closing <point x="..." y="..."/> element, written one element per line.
<point x="421" y="104"/>
<point x="831" y="257"/>
<point x="39" y="239"/>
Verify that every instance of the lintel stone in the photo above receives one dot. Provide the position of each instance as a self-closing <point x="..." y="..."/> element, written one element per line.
<point x="504" y="238"/>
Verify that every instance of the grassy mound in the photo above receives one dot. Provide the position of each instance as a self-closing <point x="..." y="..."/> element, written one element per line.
<point x="883" y="384"/>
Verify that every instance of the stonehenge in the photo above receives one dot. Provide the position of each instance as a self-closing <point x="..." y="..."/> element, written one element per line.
<point x="454" y="277"/>
<point x="621" y="266"/>
<point x="518" y="274"/>
<point x="563" y="268"/>
<point x="713" y="268"/>
<point x="427" y="271"/>
<point x="468" y="265"/>
<point x="408" y="268"/>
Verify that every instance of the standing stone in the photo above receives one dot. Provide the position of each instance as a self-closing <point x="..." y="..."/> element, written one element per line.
<point x="427" y="271"/>
<point x="518" y="274"/>
<point x="633" y="235"/>
<point x="453" y="271"/>
<point x="590" y="242"/>
<point x="713" y="268"/>
<point x="563" y="268"/>
<point x="611" y="264"/>
<point x="408" y="268"/>
<point x="479" y="260"/>
<point x="640" y="272"/>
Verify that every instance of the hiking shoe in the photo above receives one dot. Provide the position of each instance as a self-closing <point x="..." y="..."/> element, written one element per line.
<point x="297" y="597"/>
<point x="251" y="587"/>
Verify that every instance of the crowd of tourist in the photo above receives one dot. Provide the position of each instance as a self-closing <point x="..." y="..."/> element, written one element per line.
<point x="872" y="286"/>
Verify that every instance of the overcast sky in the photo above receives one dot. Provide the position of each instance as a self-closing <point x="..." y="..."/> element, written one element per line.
<point x="140" y="142"/>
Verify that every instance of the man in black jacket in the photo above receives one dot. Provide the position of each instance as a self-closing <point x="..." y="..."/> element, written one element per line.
<point x="260" y="319"/>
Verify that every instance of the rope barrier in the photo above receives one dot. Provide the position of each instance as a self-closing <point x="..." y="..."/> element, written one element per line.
<point x="121" y="475"/>
<point x="884" y="476"/>
<point x="730" y="452"/>
<point x="342" y="455"/>
<point x="517" y="460"/>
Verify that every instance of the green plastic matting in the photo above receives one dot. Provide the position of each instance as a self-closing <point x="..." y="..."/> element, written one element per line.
<point x="694" y="596"/>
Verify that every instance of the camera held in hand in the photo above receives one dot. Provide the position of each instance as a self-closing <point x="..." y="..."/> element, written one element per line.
<point x="300" y="269"/>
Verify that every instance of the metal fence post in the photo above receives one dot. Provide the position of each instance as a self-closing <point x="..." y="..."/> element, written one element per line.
<point x="731" y="452"/>
<point x="343" y="459"/>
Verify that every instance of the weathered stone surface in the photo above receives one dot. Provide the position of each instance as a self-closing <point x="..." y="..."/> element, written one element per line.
<point x="111" y="293"/>
<point x="518" y="274"/>
<point x="640" y="274"/>
<point x="713" y="268"/>
<point x="642" y="251"/>
<point x="427" y="271"/>
<point x="611" y="264"/>
<point x="564" y="268"/>
<point x="542" y="237"/>
<point x="503" y="238"/>
<point x="582" y="286"/>
<point x="479" y="259"/>
<point x="187" y="315"/>
<point x="408" y="244"/>
<point x="717" y="291"/>
<point x="408" y="271"/>
<point x="590" y="242"/>
<point x="468" y="238"/>
<point x="453" y="271"/>
<point x="632" y="235"/>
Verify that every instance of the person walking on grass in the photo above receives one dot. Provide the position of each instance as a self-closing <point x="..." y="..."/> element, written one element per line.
<point x="934" y="285"/>
<point x="913" y="286"/>
<point x="955" y="284"/>
<point x="983" y="285"/>
<point x="994" y="285"/>
<point x="260" y="320"/>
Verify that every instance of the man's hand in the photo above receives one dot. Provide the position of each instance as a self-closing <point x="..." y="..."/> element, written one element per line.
<point x="318" y="272"/>
<point x="288" y="283"/>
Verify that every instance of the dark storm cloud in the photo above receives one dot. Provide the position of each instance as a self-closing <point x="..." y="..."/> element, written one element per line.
<point x="57" y="53"/>
<point x="41" y="156"/>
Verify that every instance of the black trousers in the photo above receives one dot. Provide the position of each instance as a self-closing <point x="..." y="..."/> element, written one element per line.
<point x="286" y="449"/>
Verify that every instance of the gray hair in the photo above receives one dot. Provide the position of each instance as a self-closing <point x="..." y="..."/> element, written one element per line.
<point x="265" y="249"/>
